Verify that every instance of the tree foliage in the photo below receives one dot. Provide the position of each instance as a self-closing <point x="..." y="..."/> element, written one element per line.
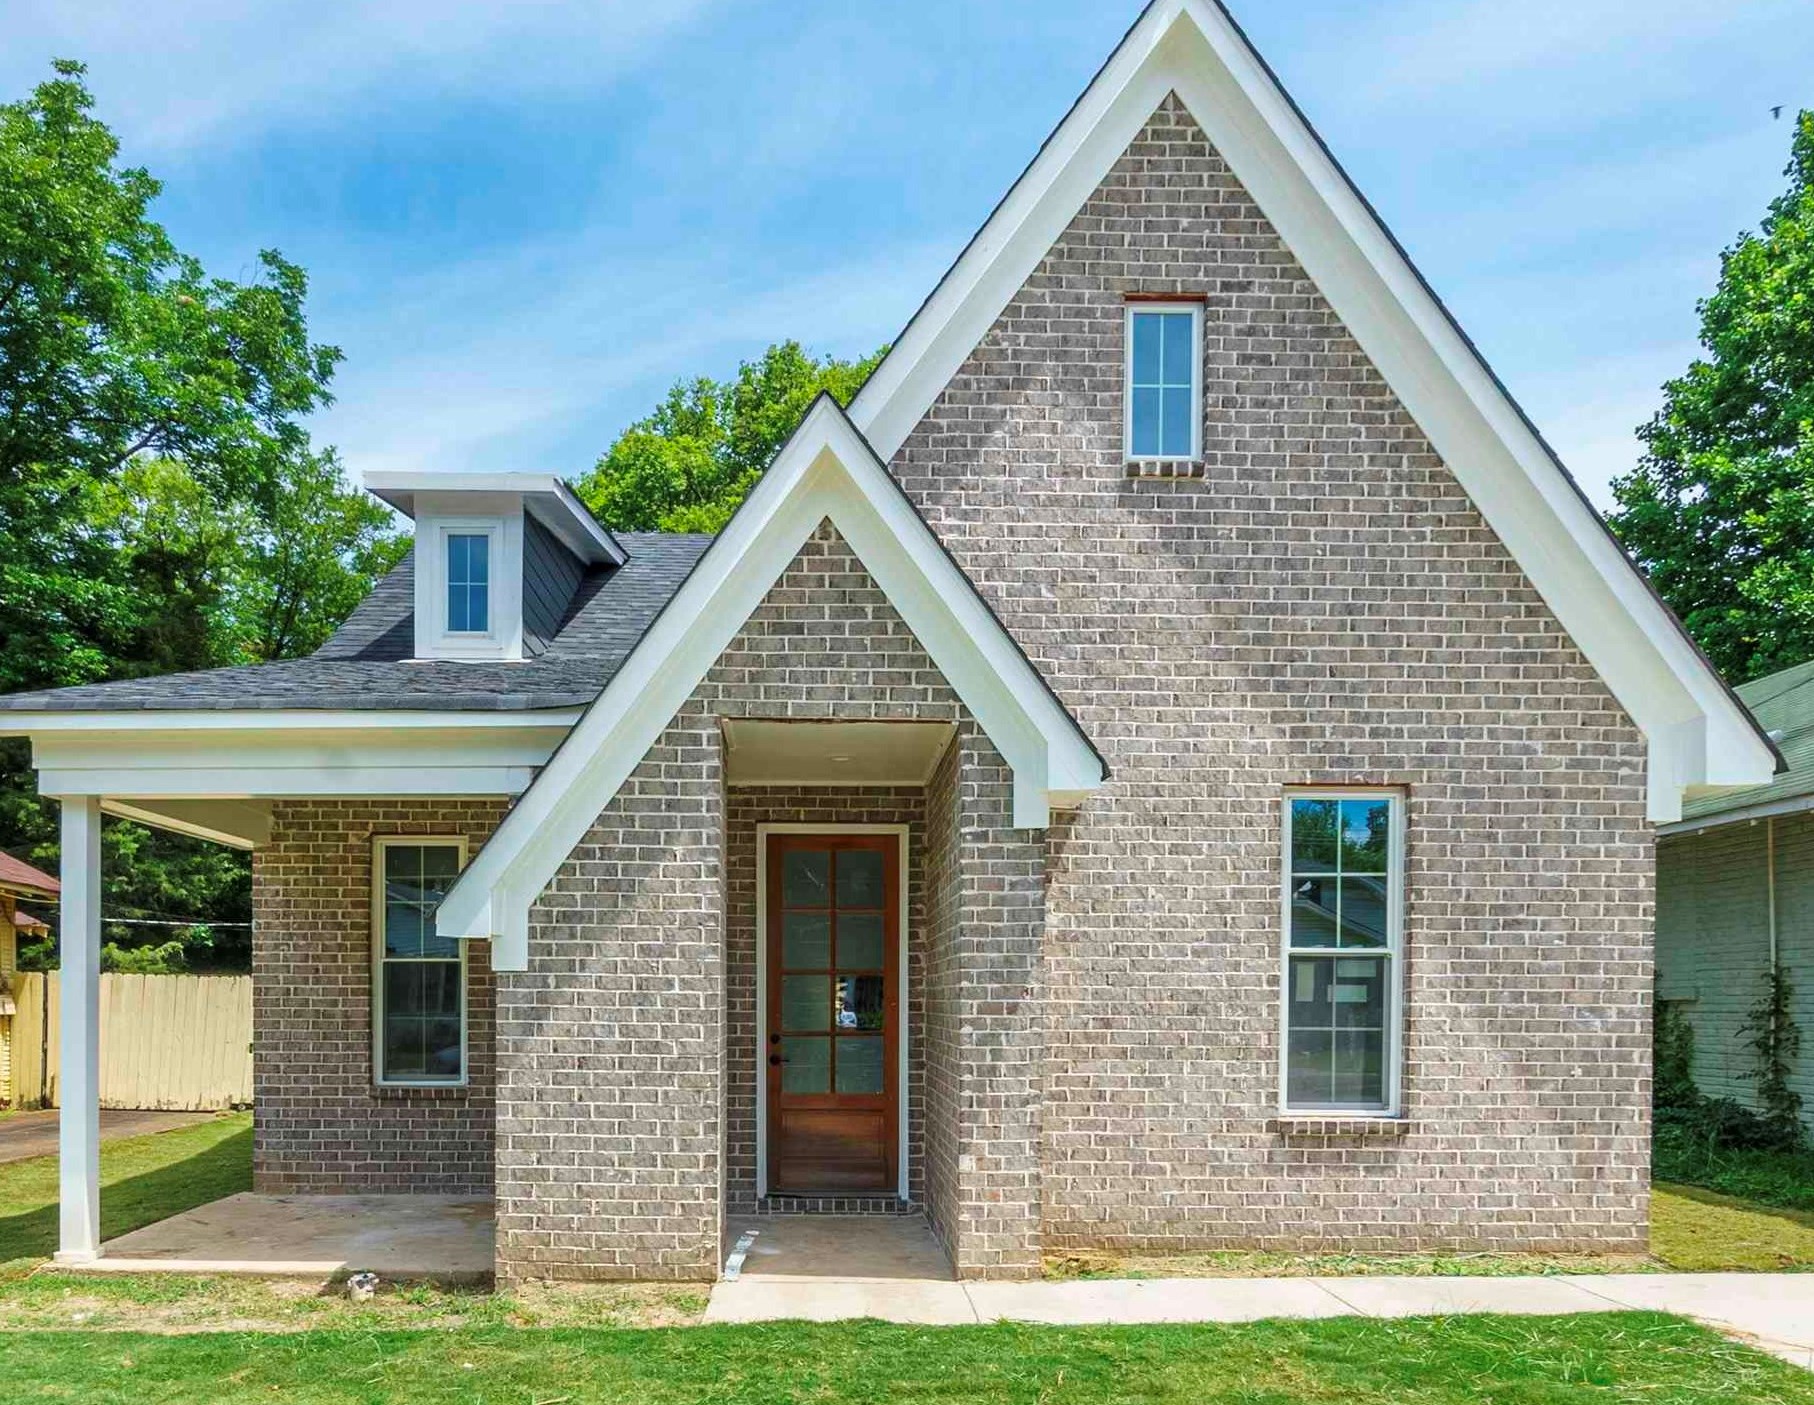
<point x="161" y="506"/>
<point x="1720" y="510"/>
<point x="687" y="466"/>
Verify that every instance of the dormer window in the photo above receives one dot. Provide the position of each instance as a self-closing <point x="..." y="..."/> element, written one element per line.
<point x="498" y="559"/>
<point x="468" y="583"/>
<point x="1164" y="407"/>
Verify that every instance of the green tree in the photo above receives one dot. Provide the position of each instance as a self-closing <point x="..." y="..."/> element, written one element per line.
<point x="1720" y="510"/>
<point x="161" y="507"/>
<point x="687" y="466"/>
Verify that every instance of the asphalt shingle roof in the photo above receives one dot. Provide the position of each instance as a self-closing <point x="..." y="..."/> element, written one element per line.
<point x="367" y="665"/>
<point x="1783" y="705"/>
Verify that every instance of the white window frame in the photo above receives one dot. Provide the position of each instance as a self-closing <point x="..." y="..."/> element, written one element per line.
<point x="491" y="538"/>
<point x="1392" y="953"/>
<point x="1135" y="307"/>
<point x="380" y="844"/>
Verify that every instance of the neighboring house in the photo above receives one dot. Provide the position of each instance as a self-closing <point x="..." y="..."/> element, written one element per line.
<point x="1173" y="766"/>
<point x="1735" y="889"/>
<point x="18" y="879"/>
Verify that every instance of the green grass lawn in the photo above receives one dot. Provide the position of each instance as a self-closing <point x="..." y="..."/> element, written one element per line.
<point x="1602" y="1360"/>
<point x="1699" y="1231"/>
<point x="143" y="1179"/>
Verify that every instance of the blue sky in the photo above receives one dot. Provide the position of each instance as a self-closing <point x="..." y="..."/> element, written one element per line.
<point x="524" y="220"/>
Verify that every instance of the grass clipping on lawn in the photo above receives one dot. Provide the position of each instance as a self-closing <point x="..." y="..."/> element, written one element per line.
<point x="1585" y="1360"/>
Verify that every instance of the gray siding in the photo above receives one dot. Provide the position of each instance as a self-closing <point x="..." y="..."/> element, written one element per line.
<point x="1713" y="941"/>
<point x="551" y="574"/>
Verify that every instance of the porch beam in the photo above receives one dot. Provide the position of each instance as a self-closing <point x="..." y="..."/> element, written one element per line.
<point x="79" y="1000"/>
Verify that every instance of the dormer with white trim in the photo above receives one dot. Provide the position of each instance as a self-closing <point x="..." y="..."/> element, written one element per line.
<point x="498" y="557"/>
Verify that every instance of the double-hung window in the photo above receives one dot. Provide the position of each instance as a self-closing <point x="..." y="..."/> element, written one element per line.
<point x="1344" y="914"/>
<point x="418" y="977"/>
<point x="468" y="582"/>
<point x="1164" y="410"/>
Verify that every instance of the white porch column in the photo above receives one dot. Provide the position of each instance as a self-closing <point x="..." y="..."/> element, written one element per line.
<point x="79" y="1091"/>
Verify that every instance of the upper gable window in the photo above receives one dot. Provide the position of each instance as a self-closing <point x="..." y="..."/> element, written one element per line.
<point x="1164" y="409"/>
<point x="468" y="583"/>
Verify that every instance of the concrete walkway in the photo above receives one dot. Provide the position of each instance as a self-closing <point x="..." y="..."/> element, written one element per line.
<point x="27" y="1134"/>
<point x="1774" y="1311"/>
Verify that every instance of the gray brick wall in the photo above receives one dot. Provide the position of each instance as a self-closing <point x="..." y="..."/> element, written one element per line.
<point x="610" y="1081"/>
<point x="320" y="1125"/>
<point x="1322" y="605"/>
<point x="1000" y="979"/>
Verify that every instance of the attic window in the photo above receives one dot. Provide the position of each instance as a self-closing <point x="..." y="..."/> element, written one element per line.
<point x="468" y="583"/>
<point x="1164" y="406"/>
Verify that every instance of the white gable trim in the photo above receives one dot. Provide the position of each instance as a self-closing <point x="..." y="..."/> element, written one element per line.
<point x="825" y="471"/>
<point x="1700" y="737"/>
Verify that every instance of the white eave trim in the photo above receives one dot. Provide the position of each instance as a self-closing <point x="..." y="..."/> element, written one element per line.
<point x="1699" y="735"/>
<point x="825" y="471"/>
<point x="250" y="755"/>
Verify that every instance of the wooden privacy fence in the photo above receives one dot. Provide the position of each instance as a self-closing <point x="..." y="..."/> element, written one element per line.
<point x="175" y="1042"/>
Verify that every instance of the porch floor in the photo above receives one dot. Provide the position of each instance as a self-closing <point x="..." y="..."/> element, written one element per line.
<point x="440" y="1237"/>
<point x="837" y="1248"/>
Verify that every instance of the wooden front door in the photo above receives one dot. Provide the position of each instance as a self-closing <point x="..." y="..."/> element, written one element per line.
<point x="833" y="996"/>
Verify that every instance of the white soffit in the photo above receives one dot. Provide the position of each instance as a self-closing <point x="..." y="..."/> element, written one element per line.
<point x="762" y="752"/>
<point x="1699" y="734"/>
<point x="825" y="471"/>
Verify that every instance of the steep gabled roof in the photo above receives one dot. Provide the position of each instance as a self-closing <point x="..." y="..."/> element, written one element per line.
<point x="1699" y="735"/>
<point x="825" y="471"/>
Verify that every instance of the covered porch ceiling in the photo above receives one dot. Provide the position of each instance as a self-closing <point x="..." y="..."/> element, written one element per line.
<point x="829" y="753"/>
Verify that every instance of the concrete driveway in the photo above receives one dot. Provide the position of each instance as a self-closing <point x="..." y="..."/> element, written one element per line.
<point x="28" y="1134"/>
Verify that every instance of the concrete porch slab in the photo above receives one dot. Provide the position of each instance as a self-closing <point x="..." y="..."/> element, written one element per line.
<point x="441" y="1237"/>
<point x="839" y="1248"/>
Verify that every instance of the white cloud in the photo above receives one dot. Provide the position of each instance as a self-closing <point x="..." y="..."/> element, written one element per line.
<point x="180" y="71"/>
<point x="546" y="385"/>
<point x="1441" y="46"/>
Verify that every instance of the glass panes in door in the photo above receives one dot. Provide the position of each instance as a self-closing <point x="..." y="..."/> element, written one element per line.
<point x="832" y="1011"/>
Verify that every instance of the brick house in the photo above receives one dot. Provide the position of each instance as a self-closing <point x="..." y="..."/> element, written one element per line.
<point x="1172" y="766"/>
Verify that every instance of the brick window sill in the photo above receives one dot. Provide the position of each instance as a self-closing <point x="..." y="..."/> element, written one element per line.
<point x="1311" y="1125"/>
<point x="388" y="1094"/>
<point x="1165" y="468"/>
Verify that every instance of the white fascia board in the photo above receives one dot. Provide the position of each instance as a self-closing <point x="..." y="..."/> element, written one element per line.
<point x="1698" y="733"/>
<point x="825" y="471"/>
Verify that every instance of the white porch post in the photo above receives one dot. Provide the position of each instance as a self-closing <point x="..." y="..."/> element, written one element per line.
<point x="79" y="1091"/>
